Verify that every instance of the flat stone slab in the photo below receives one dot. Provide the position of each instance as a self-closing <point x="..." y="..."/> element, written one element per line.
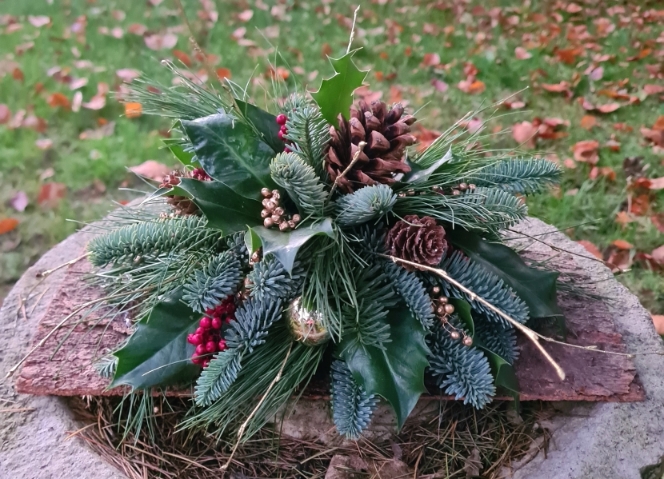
<point x="590" y="441"/>
<point x="63" y="365"/>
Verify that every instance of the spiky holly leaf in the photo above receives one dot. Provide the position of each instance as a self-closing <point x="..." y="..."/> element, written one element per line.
<point x="284" y="246"/>
<point x="157" y="353"/>
<point x="231" y="152"/>
<point x="395" y="372"/>
<point x="221" y="205"/>
<point x="336" y="93"/>
<point x="537" y="288"/>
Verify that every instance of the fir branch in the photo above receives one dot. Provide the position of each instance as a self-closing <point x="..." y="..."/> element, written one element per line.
<point x="516" y="175"/>
<point x="147" y="240"/>
<point x="412" y="291"/>
<point x="497" y="338"/>
<point x="209" y="286"/>
<point x="483" y="209"/>
<point x="308" y="132"/>
<point x="186" y="101"/>
<point x="460" y="370"/>
<point x="365" y="204"/>
<point x="352" y="407"/>
<point x="235" y="243"/>
<point x="300" y="182"/>
<point x="269" y="280"/>
<point x="106" y="366"/>
<point x="482" y="283"/>
<point x="246" y="332"/>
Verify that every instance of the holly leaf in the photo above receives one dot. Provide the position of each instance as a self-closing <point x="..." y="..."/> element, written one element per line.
<point x="157" y="353"/>
<point x="537" y="288"/>
<point x="336" y="93"/>
<point x="230" y="152"/>
<point x="222" y="206"/>
<point x="264" y="122"/>
<point x="284" y="246"/>
<point x="419" y="173"/>
<point x="187" y="158"/>
<point x="503" y="372"/>
<point x="396" y="372"/>
<point x="463" y="310"/>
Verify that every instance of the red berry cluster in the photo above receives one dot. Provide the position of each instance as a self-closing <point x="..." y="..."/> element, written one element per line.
<point x="281" y="120"/>
<point x="200" y="174"/>
<point x="208" y="337"/>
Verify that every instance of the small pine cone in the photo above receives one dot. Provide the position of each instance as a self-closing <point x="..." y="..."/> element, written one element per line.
<point x="182" y="206"/>
<point x="416" y="239"/>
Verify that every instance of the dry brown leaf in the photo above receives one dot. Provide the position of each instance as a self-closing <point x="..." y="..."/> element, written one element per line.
<point x="58" y="100"/>
<point x="608" y="108"/>
<point x="183" y="57"/>
<point x="623" y="218"/>
<point x="431" y="60"/>
<point x="50" y="194"/>
<point x="586" y="151"/>
<point x="522" y="54"/>
<point x="640" y="205"/>
<point x="622" y="244"/>
<point x="7" y="225"/>
<point x="151" y="169"/>
<point x="588" y="122"/>
<point x="525" y="133"/>
<point x="653" y="89"/>
<point x="472" y="87"/>
<point x="569" y="55"/>
<point x="658" y="321"/>
<point x="158" y="41"/>
<point x="591" y="248"/>
<point x="561" y="87"/>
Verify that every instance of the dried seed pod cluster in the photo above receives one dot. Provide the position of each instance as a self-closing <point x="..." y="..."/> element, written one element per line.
<point x="443" y="310"/>
<point x="273" y="213"/>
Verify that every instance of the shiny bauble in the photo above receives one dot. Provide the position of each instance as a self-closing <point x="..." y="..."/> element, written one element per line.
<point x="305" y="325"/>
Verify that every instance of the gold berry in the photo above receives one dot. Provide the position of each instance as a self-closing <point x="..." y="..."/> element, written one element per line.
<point x="268" y="223"/>
<point x="266" y="192"/>
<point x="467" y="341"/>
<point x="455" y="335"/>
<point x="449" y="309"/>
<point x="265" y="214"/>
<point x="435" y="289"/>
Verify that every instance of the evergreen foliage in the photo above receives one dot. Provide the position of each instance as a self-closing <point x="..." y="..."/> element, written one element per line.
<point x="352" y="407"/>
<point x="365" y="321"/>
<point x="460" y="370"/>
<point x="246" y="332"/>
<point x="209" y="286"/>
<point x="309" y="134"/>
<point x="412" y="291"/>
<point x="497" y="338"/>
<point x="269" y="280"/>
<point x="300" y="182"/>
<point x="516" y="175"/>
<point x="150" y="239"/>
<point x="365" y="204"/>
<point x="485" y="285"/>
<point x="235" y="244"/>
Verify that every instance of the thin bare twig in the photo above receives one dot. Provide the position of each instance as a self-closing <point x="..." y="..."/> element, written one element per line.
<point x="352" y="30"/>
<point x="240" y="431"/>
<point x="43" y="274"/>
<point x="356" y="157"/>
<point x="529" y="333"/>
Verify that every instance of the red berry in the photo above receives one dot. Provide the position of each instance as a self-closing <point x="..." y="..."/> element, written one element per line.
<point x="194" y="339"/>
<point x="200" y="330"/>
<point x="205" y="323"/>
<point x="287" y="150"/>
<point x="211" y="347"/>
<point x="282" y="119"/>
<point x="281" y="135"/>
<point x="216" y="323"/>
<point x="200" y="349"/>
<point x="196" y="360"/>
<point x="222" y="345"/>
<point x="206" y="363"/>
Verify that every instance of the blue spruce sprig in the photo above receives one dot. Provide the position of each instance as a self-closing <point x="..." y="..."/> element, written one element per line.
<point x="209" y="286"/>
<point x="270" y="280"/>
<point x="352" y="407"/>
<point x="366" y="204"/>
<point x="497" y="338"/>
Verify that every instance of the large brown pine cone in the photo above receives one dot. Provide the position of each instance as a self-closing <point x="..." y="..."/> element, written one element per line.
<point x="182" y="206"/>
<point x="386" y="133"/>
<point x="416" y="239"/>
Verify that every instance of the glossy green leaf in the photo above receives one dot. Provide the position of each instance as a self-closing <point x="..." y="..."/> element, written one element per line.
<point x="418" y="173"/>
<point x="396" y="372"/>
<point x="537" y="288"/>
<point x="463" y="310"/>
<point x="157" y="353"/>
<point x="264" y="122"/>
<point x="336" y="93"/>
<point x="221" y="205"/>
<point x="252" y="241"/>
<point x="187" y="158"/>
<point x="285" y="245"/>
<point x="229" y="151"/>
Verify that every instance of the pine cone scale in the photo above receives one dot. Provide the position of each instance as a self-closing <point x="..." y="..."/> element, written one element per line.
<point x="420" y="240"/>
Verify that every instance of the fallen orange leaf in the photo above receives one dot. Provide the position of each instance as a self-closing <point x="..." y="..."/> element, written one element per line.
<point x="588" y="122"/>
<point x="58" y="100"/>
<point x="431" y="60"/>
<point x="133" y="110"/>
<point x="183" y="57"/>
<point x="608" y="108"/>
<point x="653" y="89"/>
<point x="622" y="244"/>
<point x="7" y="225"/>
<point x="591" y="248"/>
<point x="50" y="194"/>
<point x="561" y="87"/>
<point x="640" y="205"/>
<point x="586" y="151"/>
<point x="658" y="321"/>
<point x="223" y="73"/>
<point x="569" y="55"/>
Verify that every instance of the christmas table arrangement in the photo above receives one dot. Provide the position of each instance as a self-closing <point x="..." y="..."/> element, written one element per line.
<point x="316" y="239"/>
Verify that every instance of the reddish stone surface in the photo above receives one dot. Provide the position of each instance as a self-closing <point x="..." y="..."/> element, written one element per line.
<point x="63" y="365"/>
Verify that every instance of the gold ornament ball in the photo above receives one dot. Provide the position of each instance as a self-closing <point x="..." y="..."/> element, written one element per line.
<point x="306" y="325"/>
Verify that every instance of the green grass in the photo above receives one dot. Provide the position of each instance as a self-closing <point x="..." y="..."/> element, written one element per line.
<point x="394" y="44"/>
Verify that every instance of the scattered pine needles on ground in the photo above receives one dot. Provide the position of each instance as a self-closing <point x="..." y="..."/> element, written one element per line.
<point x="460" y="442"/>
